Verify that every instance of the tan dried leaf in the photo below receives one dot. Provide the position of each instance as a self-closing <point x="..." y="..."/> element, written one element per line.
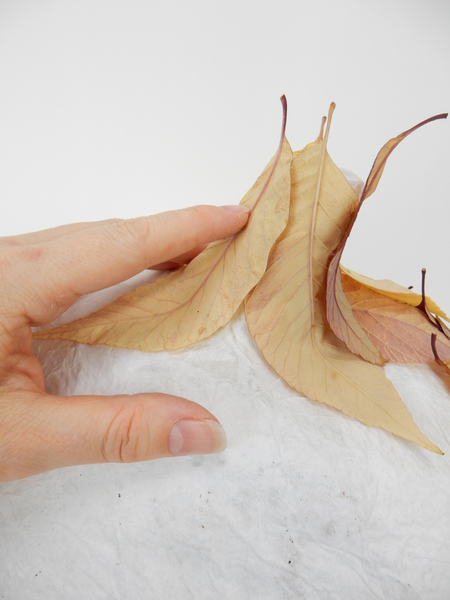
<point x="195" y="301"/>
<point x="286" y="311"/>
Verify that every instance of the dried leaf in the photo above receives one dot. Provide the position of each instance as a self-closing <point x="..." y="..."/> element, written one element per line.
<point x="338" y="309"/>
<point x="286" y="311"/>
<point x="400" y="332"/>
<point x="195" y="301"/>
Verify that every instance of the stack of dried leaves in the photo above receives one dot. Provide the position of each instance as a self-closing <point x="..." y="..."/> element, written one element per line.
<point x="326" y="330"/>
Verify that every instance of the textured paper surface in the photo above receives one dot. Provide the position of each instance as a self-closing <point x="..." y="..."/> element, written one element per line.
<point x="304" y="503"/>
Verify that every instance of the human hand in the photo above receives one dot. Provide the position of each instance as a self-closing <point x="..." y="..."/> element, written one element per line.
<point x="41" y="275"/>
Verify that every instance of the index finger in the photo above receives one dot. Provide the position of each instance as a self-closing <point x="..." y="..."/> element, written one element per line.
<point x="95" y="258"/>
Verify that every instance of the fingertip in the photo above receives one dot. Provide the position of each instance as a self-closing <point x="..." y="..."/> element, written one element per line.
<point x="240" y="212"/>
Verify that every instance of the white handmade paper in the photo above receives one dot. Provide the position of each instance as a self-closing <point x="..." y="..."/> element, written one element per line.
<point x="304" y="503"/>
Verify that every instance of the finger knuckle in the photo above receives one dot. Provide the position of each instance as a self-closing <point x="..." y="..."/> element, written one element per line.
<point x="18" y="268"/>
<point x="135" y="237"/>
<point x="137" y="231"/>
<point x="126" y="439"/>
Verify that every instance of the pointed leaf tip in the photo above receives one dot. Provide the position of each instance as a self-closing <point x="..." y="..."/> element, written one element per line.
<point x="283" y="126"/>
<point x="322" y="129"/>
<point x="330" y="113"/>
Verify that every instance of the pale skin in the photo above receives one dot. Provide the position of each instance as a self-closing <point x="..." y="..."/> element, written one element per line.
<point x="41" y="275"/>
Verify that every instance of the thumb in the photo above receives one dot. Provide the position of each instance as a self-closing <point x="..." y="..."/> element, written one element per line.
<point x="96" y="429"/>
<point x="140" y="427"/>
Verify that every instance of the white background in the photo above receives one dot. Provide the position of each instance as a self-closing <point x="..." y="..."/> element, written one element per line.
<point x="122" y="108"/>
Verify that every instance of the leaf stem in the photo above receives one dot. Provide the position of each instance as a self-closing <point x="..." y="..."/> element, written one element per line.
<point x="316" y="203"/>
<point x="322" y="127"/>
<point x="278" y="154"/>
<point x="390" y="147"/>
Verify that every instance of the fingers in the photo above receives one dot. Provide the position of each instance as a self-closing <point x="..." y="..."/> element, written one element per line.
<point x="98" y="257"/>
<point x="58" y="432"/>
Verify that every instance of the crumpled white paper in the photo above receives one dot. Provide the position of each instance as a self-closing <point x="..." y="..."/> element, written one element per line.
<point x="304" y="503"/>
